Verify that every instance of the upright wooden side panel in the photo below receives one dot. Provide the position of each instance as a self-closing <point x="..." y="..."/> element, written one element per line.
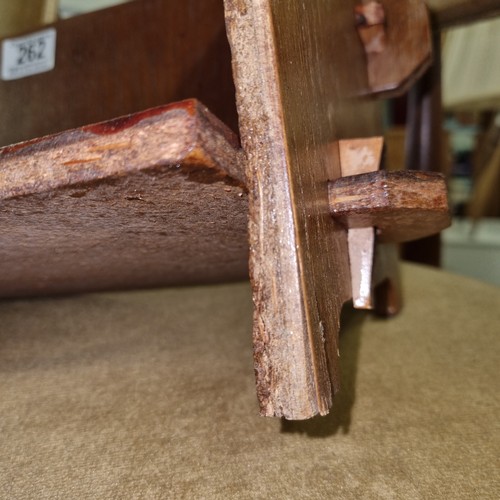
<point x="299" y="72"/>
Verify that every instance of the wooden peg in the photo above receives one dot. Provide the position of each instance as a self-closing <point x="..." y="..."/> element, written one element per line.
<point x="360" y="156"/>
<point x="402" y="205"/>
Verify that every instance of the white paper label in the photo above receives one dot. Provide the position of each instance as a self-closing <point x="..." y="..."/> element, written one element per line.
<point x="29" y="55"/>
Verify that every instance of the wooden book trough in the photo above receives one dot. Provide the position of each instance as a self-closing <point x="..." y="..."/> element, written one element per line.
<point x="171" y="196"/>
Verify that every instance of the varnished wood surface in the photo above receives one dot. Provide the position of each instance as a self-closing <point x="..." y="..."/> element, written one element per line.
<point x="151" y="199"/>
<point x="402" y="206"/>
<point x="299" y="73"/>
<point x="122" y="60"/>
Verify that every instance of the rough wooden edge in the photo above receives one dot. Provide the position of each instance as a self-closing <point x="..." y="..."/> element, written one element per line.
<point x="407" y="48"/>
<point x="183" y="131"/>
<point x="305" y="390"/>
<point x="151" y="199"/>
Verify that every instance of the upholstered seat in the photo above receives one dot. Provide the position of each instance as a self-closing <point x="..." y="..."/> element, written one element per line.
<point x="150" y="394"/>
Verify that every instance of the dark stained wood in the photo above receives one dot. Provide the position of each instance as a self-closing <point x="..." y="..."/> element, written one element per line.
<point x="155" y="198"/>
<point x="448" y="13"/>
<point x="299" y="73"/>
<point x="122" y="60"/>
<point x="402" y="206"/>
<point x="399" y="51"/>
<point x="424" y="149"/>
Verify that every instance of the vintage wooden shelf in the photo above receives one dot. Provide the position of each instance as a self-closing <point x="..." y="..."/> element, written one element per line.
<point x="171" y="195"/>
<point x="155" y="198"/>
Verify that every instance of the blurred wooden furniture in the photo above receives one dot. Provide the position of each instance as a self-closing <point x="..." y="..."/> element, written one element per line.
<point x="424" y="149"/>
<point x="452" y="12"/>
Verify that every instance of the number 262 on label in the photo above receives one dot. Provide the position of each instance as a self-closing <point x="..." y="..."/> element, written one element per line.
<point x="28" y="55"/>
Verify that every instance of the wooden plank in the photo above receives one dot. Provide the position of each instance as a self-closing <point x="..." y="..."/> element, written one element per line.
<point x="122" y="60"/>
<point x="448" y="13"/>
<point x="402" y="206"/>
<point x="155" y="198"/>
<point x="359" y="156"/>
<point x="299" y="72"/>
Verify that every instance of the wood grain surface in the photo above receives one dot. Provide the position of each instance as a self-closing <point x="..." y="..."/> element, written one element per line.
<point x="300" y="75"/>
<point x="122" y="60"/>
<point x="424" y="149"/>
<point x="155" y="198"/>
<point x="402" y="206"/>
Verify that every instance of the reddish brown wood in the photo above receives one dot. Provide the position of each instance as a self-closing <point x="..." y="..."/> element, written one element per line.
<point x="395" y="205"/>
<point x="402" y="206"/>
<point x="146" y="200"/>
<point x="122" y="60"/>
<point x="298" y="69"/>
<point x="399" y="51"/>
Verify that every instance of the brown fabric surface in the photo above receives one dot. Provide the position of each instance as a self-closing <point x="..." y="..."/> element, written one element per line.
<point x="151" y="395"/>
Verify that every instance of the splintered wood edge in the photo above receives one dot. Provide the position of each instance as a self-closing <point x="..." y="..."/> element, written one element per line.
<point x="180" y="132"/>
<point x="250" y="29"/>
<point x="401" y="205"/>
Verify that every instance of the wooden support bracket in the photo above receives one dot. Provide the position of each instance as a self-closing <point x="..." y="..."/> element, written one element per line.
<point x="360" y="156"/>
